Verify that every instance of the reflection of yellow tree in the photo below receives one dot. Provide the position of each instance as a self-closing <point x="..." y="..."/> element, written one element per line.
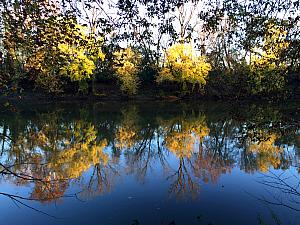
<point x="47" y="186"/>
<point x="125" y="138"/>
<point x="81" y="152"/>
<point x="210" y="166"/>
<point x="67" y="149"/>
<point x="47" y="134"/>
<point x="126" y="135"/>
<point x="206" y="164"/>
<point x="184" y="183"/>
<point x="101" y="181"/>
<point x="180" y="138"/>
<point x="181" y="135"/>
<point x="267" y="154"/>
<point x="47" y="189"/>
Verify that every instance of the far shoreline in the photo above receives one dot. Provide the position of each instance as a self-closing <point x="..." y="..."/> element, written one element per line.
<point x="41" y="97"/>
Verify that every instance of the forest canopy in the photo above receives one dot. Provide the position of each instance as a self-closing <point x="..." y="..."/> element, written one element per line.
<point x="218" y="48"/>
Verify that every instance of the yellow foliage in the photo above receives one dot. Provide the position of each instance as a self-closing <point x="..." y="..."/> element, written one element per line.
<point x="183" y="65"/>
<point x="126" y="64"/>
<point x="80" y="67"/>
<point x="274" y="43"/>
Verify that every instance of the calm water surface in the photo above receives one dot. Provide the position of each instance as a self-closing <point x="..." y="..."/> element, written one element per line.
<point x="150" y="163"/>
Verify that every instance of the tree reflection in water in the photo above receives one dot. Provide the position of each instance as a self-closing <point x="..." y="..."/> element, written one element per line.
<point x="51" y="148"/>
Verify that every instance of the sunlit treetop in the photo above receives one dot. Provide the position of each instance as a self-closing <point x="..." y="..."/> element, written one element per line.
<point x="267" y="69"/>
<point x="182" y="64"/>
<point x="80" y="53"/>
<point x="126" y="64"/>
<point x="274" y="43"/>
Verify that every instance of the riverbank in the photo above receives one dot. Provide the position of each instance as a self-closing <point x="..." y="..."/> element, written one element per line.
<point x="108" y="92"/>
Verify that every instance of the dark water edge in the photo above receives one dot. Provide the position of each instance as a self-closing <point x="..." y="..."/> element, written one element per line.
<point x="222" y="185"/>
<point x="112" y="93"/>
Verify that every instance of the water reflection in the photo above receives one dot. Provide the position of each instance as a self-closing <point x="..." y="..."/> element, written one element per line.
<point x="53" y="147"/>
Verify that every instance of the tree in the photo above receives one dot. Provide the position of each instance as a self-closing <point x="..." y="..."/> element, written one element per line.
<point x="48" y="46"/>
<point x="69" y="51"/>
<point x="182" y="65"/>
<point x="267" y="68"/>
<point x="126" y="64"/>
<point x="22" y="23"/>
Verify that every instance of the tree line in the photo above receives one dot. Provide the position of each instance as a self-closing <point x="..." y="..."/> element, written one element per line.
<point x="184" y="47"/>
